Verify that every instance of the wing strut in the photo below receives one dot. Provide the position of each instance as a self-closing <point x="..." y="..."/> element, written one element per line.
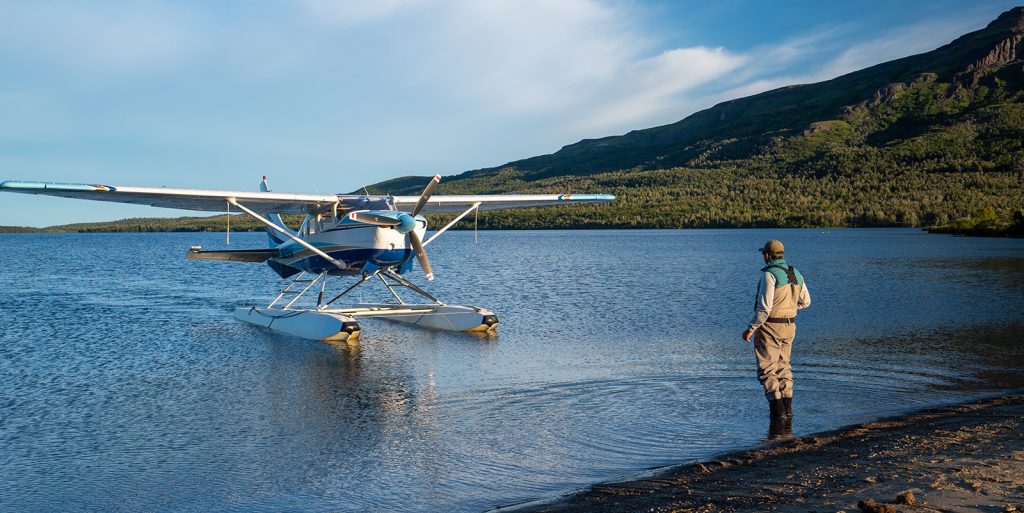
<point x="228" y="238"/>
<point x="449" y="225"/>
<point x="288" y="234"/>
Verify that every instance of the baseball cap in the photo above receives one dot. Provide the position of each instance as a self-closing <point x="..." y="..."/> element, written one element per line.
<point x="773" y="248"/>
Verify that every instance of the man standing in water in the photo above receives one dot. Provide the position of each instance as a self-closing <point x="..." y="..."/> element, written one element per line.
<point x="780" y="293"/>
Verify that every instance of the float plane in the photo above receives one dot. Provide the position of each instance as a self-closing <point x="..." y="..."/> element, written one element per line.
<point x="371" y="238"/>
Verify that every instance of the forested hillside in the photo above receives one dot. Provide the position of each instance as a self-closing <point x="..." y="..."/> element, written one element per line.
<point x="931" y="139"/>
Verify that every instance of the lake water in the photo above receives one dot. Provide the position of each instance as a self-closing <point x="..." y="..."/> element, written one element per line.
<point x="125" y="384"/>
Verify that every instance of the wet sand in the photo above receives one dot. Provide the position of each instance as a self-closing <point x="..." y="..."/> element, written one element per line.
<point x="968" y="457"/>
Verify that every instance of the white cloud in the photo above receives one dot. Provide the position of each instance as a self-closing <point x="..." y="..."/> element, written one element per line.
<point x="651" y="90"/>
<point x="586" y="63"/>
<point x="522" y="58"/>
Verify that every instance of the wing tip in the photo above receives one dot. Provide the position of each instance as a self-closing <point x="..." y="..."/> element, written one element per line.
<point x="589" y="198"/>
<point x="56" y="186"/>
<point x="22" y="185"/>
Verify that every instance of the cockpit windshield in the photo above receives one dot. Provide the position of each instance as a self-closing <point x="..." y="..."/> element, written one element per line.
<point x="371" y="203"/>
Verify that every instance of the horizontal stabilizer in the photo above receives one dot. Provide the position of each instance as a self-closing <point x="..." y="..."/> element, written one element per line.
<point x="235" y="255"/>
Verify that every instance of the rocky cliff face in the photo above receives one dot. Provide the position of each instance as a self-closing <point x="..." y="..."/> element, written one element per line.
<point x="883" y="95"/>
<point x="1009" y="51"/>
<point x="1005" y="52"/>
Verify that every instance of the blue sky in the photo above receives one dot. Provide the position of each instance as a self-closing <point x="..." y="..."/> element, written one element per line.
<point x="327" y="96"/>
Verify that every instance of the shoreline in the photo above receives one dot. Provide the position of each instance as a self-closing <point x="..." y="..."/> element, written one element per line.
<point x="244" y="226"/>
<point x="962" y="457"/>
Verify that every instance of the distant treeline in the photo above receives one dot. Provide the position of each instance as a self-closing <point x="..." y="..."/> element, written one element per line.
<point x="216" y="223"/>
<point x="719" y="198"/>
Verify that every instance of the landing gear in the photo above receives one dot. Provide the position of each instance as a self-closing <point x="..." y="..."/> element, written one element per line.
<point x="320" y="321"/>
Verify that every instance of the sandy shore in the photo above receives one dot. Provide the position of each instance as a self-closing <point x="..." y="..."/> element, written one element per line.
<point x="968" y="457"/>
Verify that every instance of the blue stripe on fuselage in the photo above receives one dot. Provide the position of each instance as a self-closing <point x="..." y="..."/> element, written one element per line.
<point x="353" y="258"/>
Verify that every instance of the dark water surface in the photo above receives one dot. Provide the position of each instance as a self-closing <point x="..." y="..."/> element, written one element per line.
<point x="126" y="385"/>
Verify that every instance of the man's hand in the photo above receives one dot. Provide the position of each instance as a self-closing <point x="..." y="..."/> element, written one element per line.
<point x="747" y="334"/>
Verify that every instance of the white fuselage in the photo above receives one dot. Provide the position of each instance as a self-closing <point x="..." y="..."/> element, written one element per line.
<point x="353" y="243"/>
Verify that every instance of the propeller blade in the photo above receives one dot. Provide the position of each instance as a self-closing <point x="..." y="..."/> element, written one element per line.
<point x="421" y="255"/>
<point x="427" y="193"/>
<point x="374" y="219"/>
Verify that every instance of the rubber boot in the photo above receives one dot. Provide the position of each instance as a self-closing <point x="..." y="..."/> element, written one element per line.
<point x="780" y="428"/>
<point x="787" y="403"/>
<point x="778" y="410"/>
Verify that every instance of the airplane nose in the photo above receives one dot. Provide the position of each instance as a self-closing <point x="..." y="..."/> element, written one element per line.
<point x="407" y="223"/>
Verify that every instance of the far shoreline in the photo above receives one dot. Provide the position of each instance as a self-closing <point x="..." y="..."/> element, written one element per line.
<point x="115" y="228"/>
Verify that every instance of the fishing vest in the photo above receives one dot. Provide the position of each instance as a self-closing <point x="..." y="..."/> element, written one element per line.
<point x="788" y="284"/>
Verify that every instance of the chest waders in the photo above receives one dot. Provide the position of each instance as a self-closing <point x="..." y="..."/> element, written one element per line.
<point x="773" y="344"/>
<point x="793" y="281"/>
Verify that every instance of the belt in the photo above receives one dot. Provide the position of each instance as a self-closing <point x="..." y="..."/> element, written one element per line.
<point x="782" y="320"/>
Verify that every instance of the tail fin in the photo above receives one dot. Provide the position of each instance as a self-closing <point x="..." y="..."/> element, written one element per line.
<point x="276" y="239"/>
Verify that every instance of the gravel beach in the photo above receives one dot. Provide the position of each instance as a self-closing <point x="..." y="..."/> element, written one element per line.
<point x="967" y="457"/>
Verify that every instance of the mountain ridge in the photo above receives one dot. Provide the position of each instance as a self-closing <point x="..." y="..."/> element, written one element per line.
<point x="934" y="139"/>
<point x="770" y="112"/>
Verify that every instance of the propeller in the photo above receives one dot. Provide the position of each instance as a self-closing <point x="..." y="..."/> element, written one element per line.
<point x="427" y="193"/>
<point x="421" y="255"/>
<point x="417" y="244"/>
<point x="374" y="219"/>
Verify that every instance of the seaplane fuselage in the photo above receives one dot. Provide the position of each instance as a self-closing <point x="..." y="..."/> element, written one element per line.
<point x="356" y="244"/>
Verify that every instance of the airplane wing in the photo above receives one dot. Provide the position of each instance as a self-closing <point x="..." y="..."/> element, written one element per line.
<point x="186" y="199"/>
<point x="283" y="203"/>
<point x="498" y="201"/>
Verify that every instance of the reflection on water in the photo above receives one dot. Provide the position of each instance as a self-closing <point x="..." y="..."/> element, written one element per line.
<point x="125" y="384"/>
